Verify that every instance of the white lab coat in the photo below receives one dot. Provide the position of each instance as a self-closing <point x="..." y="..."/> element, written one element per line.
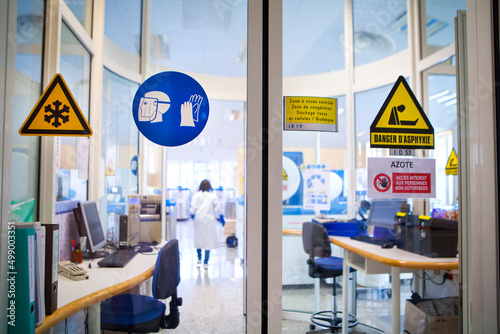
<point x="205" y="207"/>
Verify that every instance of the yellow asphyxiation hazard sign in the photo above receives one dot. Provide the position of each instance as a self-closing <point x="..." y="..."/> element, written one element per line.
<point x="452" y="164"/>
<point x="401" y="122"/>
<point x="56" y="114"/>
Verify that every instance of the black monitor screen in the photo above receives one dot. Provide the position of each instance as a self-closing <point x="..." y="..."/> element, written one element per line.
<point x="382" y="212"/>
<point x="92" y="225"/>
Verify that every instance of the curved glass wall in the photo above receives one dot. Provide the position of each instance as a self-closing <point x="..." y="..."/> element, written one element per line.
<point x="312" y="32"/>
<point x="380" y="29"/>
<point x="27" y="89"/>
<point x="119" y="144"/>
<point x="122" y="31"/>
<point x="73" y="152"/>
<point x="204" y="37"/>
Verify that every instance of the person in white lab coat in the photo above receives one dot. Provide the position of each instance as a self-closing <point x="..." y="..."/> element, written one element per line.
<point x="205" y="207"/>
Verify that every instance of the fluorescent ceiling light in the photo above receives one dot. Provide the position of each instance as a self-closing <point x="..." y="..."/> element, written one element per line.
<point x="433" y="25"/>
<point x="450" y="103"/>
<point x="435" y="96"/>
<point x="400" y="24"/>
<point x="447" y="98"/>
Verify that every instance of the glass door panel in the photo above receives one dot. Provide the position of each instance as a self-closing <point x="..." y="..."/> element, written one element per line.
<point x="313" y="46"/>
<point x="206" y="40"/>
<point x="440" y="88"/>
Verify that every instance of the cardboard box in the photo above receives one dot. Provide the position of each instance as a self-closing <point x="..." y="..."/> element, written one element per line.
<point x="432" y="316"/>
<point x="230" y="226"/>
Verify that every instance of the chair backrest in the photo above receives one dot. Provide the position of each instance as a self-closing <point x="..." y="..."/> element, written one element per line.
<point x="167" y="274"/>
<point x="315" y="240"/>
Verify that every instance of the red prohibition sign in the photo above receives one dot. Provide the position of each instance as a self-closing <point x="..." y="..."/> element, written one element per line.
<point x="382" y="182"/>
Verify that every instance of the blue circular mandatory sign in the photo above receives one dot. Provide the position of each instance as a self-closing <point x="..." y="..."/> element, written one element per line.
<point x="134" y="164"/>
<point x="170" y="108"/>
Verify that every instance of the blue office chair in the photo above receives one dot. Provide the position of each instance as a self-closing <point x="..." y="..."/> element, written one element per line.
<point x="144" y="314"/>
<point x="322" y="265"/>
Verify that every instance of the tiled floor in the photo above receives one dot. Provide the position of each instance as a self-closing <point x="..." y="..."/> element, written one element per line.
<point x="213" y="298"/>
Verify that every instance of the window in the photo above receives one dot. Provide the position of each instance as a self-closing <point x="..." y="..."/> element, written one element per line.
<point x="189" y="174"/>
<point x="122" y="32"/>
<point x="119" y="144"/>
<point x="27" y="90"/>
<point x="439" y="28"/>
<point x="82" y="10"/>
<point x="73" y="152"/>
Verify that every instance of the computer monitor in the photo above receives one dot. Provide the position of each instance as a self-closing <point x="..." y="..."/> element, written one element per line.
<point x="380" y="223"/>
<point x="382" y="212"/>
<point x="90" y="226"/>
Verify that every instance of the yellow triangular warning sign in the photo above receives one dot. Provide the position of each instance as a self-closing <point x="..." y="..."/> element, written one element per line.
<point x="452" y="164"/>
<point x="56" y="114"/>
<point x="401" y="122"/>
<point x="110" y="171"/>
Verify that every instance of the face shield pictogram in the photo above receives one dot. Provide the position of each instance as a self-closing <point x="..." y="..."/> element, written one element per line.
<point x="152" y="106"/>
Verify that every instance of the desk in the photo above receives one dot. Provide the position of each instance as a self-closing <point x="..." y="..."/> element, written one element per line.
<point x="103" y="283"/>
<point x="373" y="259"/>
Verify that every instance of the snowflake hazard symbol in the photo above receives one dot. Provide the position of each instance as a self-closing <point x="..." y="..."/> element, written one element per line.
<point x="55" y="114"/>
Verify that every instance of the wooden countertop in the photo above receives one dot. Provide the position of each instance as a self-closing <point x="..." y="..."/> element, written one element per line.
<point x="393" y="257"/>
<point x="74" y="296"/>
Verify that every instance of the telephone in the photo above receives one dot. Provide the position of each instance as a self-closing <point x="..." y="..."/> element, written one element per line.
<point x="72" y="271"/>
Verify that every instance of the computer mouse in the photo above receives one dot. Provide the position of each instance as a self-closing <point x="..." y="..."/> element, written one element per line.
<point x="388" y="244"/>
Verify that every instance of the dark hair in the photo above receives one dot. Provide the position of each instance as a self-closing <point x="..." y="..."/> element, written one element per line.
<point x="205" y="186"/>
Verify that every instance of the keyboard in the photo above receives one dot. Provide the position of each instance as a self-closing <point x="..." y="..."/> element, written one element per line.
<point x="118" y="258"/>
<point x="373" y="240"/>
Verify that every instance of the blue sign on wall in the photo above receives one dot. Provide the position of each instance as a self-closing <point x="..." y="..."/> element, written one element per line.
<point x="134" y="164"/>
<point x="170" y="108"/>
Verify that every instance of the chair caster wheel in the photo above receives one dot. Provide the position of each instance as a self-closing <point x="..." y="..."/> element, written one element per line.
<point x="312" y="327"/>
